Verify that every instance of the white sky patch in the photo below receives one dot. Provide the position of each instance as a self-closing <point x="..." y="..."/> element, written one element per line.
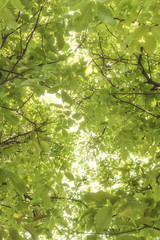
<point x="136" y="159"/>
<point x="51" y="98"/>
<point x="92" y="163"/>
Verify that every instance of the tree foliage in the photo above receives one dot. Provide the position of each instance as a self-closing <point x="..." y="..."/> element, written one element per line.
<point x="79" y="119"/>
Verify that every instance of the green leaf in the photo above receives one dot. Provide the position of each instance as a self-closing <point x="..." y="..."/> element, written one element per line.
<point x="66" y="98"/>
<point x="37" y="147"/>
<point x="69" y="176"/>
<point x="99" y="197"/>
<point x="62" y="69"/>
<point x="101" y="1"/>
<point x="104" y="14"/>
<point x="5" y="173"/>
<point x="11" y="118"/>
<point x="14" y="234"/>
<point x="29" y="228"/>
<point x="156" y="194"/>
<point x="77" y="116"/>
<point x="156" y="32"/>
<point x="25" y="16"/>
<point x="145" y="220"/>
<point x="2" y="234"/>
<point x="40" y="217"/>
<point x="17" y="4"/>
<point x="76" y="4"/>
<point x="8" y="18"/>
<point x="103" y="218"/>
<point x="29" y="82"/>
<point x="84" y="19"/>
<point x="60" y="40"/>
<point x="128" y="237"/>
<point x="45" y="198"/>
<point x="45" y="146"/>
<point x="91" y="237"/>
<point x="3" y="3"/>
<point x="150" y="44"/>
<point x="140" y="32"/>
<point x="19" y="184"/>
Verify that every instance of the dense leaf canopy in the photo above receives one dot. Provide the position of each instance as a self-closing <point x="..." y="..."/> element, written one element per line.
<point x="79" y="119"/>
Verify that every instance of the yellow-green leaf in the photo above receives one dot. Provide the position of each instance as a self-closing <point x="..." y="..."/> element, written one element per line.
<point x="18" y="217"/>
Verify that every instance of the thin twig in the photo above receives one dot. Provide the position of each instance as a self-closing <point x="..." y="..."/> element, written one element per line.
<point x="132" y="104"/>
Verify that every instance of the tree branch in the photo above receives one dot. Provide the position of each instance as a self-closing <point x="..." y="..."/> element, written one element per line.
<point x="147" y="77"/>
<point x="24" y="50"/>
<point x="132" y="104"/>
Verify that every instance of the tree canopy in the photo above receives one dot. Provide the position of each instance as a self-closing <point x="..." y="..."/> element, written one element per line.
<point x="79" y="119"/>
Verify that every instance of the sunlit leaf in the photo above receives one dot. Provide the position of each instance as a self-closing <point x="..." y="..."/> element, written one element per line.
<point x="79" y="119"/>
<point x="18" y="217"/>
